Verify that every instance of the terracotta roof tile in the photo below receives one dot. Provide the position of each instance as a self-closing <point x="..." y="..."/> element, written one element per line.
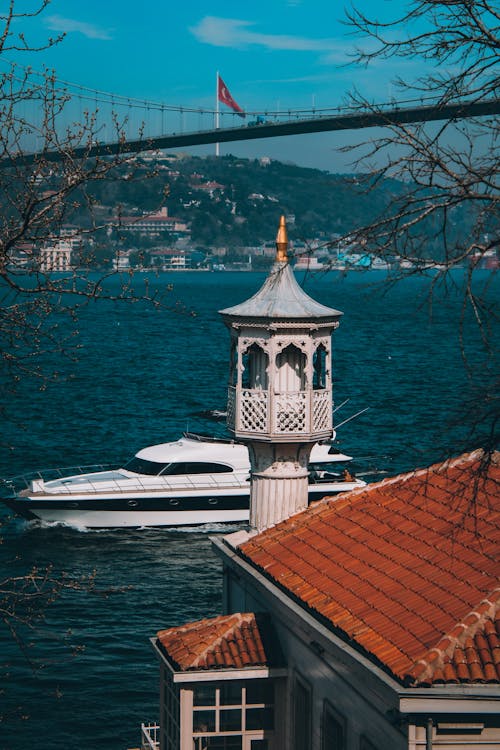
<point x="229" y="641"/>
<point x="401" y="568"/>
<point x="469" y="652"/>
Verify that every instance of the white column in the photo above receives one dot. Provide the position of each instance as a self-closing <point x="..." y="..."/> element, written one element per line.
<point x="280" y="482"/>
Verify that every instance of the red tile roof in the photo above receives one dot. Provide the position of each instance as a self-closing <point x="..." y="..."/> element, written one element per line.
<point x="225" y="642"/>
<point x="395" y="566"/>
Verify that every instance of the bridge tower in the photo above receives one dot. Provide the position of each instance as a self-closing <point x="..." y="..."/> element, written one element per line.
<point x="280" y="387"/>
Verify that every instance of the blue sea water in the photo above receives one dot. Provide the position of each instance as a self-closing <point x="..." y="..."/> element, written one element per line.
<point x="143" y="376"/>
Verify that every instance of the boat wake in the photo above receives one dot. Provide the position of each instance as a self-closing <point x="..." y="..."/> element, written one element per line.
<point x="206" y="528"/>
<point x="37" y="523"/>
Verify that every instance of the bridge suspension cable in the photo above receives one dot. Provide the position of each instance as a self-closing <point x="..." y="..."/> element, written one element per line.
<point x="103" y="133"/>
<point x="121" y="100"/>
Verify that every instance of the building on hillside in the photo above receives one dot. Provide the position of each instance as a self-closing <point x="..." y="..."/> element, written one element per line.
<point x="121" y="261"/>
<point x="152" y="225"/>
<point x="169" y="259"/>
<point x="210" y="187"/>
<point x="22" y="255"/>
<point x="56" y="256"/>
<point x="379" y="618"/>
<point x="489" y="259"/>
<point x="308" y="262"/>
<point x="76" y="237"/>
<point x="158" y="156"/>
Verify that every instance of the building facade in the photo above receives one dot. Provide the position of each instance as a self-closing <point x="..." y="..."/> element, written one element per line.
<point x="154" y="224"/>
<point x="56" y="257"/>
<point x="382" y="610"/>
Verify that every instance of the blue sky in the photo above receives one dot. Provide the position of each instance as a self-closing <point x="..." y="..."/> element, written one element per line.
<point x="272" y="55"/>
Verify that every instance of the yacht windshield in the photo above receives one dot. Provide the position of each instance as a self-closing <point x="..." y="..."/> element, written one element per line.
<point x="141" y="466"/>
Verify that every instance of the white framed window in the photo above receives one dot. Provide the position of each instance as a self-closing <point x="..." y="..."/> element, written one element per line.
<point x="233" y="715"/>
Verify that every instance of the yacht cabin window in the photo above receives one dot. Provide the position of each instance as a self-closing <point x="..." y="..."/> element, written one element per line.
<point x="141" y="466"/>
<point x="195" y="467"/>
<point x="154" y="468"/>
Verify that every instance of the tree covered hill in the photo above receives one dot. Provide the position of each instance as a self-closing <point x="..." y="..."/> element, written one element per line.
<point x="233" y="201"/>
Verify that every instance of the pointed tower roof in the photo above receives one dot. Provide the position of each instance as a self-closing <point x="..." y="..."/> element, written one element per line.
<point x="280" y="297"/>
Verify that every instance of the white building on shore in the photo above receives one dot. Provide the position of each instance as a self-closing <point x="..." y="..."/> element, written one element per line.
<point x="56" y="256"/>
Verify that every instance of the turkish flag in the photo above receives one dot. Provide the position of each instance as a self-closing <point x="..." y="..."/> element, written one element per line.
<point x="225" y="97"/>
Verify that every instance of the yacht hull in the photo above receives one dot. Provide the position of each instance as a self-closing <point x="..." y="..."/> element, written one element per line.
<point x="139" y="511"/>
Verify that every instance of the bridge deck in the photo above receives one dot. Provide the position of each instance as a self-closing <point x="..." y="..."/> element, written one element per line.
<point x="350" y="121"/>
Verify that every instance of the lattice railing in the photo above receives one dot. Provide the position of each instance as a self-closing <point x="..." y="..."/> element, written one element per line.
<point x="253" y="416"/>
<point x="231" y="407"/>
<point x="321" y="411"/>
<point x="290" y="412"/>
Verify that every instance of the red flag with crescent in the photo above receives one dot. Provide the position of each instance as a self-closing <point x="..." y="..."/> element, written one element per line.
<point x="225" y="97"/>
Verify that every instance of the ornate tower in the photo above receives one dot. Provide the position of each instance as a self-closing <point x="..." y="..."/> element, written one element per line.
<point x="280" y="387"/>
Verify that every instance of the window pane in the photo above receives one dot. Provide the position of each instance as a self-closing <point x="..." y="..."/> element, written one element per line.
<point x="259" y="718"/>
<point x="259" y="745"/>
<point x="204" y="695"/>
<point x="230" y="693"/>
<point x="218" y="743"/>
<point x="203" y="721"/>
<point x="260" y="691"/>
<point x="333" y="732"/>
<point x="302" y="716"/>
<point x="191" y="467"/>
<point x="230" y="719"/>
<point x="142" y="466"/>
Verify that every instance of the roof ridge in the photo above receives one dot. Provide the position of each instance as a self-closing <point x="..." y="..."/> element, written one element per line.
<point x="237" y="619"/>
<point x="437" y="656"/>
<point x="438" y="467"/>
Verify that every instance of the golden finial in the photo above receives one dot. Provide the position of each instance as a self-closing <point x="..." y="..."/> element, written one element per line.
<point x="282" y="242"/>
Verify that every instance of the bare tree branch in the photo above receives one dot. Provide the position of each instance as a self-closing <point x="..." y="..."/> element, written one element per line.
<point x="444" y="213"/>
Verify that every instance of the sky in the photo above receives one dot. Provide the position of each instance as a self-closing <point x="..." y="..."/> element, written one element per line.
<point x="272" y="55"/>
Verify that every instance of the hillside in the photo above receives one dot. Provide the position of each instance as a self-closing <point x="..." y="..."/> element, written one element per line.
<point x="236" y="202"/>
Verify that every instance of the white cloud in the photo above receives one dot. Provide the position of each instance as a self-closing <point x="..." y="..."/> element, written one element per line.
<point x="232" y="32"/>
<point x="296" y="79"/>
<point x="68" y="25"/>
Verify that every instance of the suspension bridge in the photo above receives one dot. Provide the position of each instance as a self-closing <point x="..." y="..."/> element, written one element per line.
<point x="98" y="123"/>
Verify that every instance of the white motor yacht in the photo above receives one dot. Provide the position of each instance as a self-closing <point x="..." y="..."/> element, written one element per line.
<point x="192" y="481"/>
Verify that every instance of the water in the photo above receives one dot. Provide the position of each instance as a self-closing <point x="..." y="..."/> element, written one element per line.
<point x="143" y="377"/>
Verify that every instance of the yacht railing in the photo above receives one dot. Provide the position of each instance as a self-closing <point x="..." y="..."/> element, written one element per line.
<point x="23" y="481"/>
<point x="150" y="737"/>
<point x="37" y="482"/>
